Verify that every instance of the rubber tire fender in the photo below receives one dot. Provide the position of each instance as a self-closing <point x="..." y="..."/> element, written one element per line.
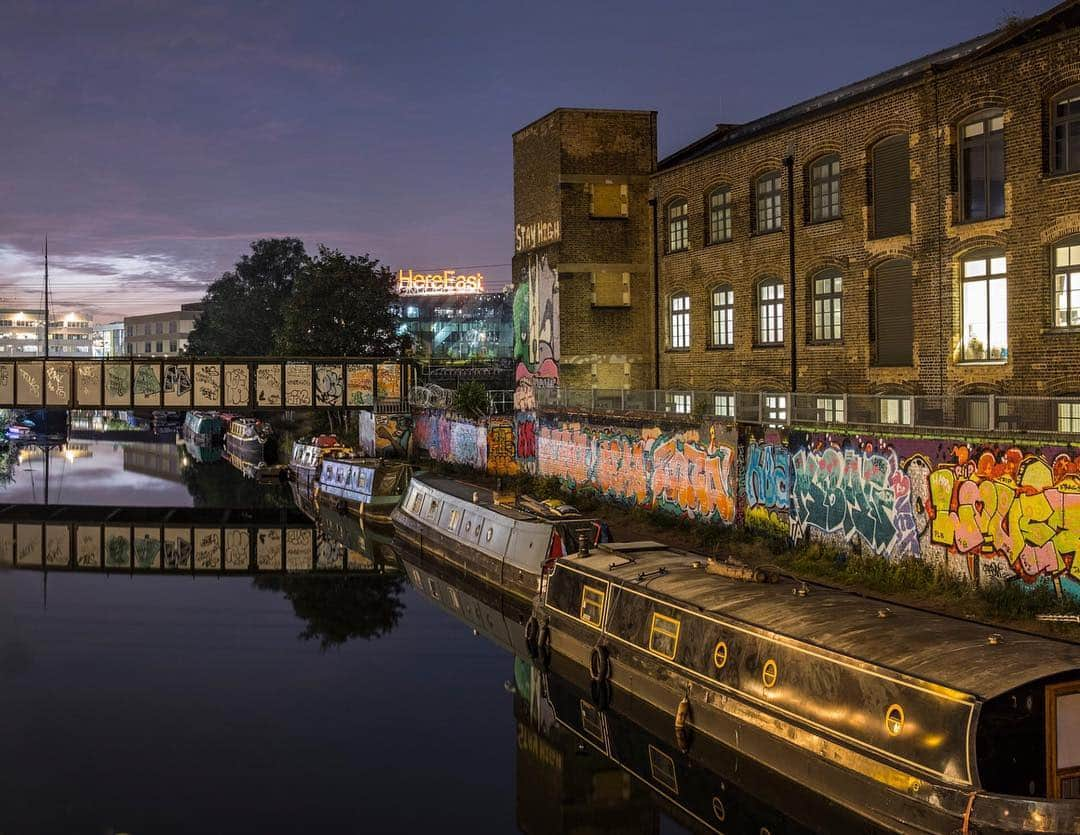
<point x="599" y="663"/>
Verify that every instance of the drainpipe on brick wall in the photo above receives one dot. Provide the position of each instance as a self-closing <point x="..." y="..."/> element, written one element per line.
<point x="789" y="163"/>
<point x="656" y="295"/>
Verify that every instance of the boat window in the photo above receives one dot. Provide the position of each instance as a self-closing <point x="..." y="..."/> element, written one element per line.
<point x="455" y="517"/>
<point x="894" y="720"/>
<point x="592" y="605"/>
<point x="720" y="655"/>
<point x="769" y="673"/>
<point x="418" y="501"/>
<point x="490" y="533"/>
<point x="432" y="508"/>
<point x="431" y="587"/>
<point x="664" y="635"/>
<point x="454" y="597"/>
<point x="663" y="769"/>
<point x="718" y="809"/>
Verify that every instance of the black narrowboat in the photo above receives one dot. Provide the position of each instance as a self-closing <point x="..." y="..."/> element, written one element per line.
<point x="250" y="444"/>
<point x="510" y="545"/>
<point x="915" y="720"/>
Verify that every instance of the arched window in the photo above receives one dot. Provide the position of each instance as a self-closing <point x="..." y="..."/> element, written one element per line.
<point x="982" y="166"/>
<point x="1066" y="278"/>
<point x="768" y="203"/>
<point x="828" y="306"/>
<point x="770" y="304"/>
<point x="723" y="316"/>
<point x="678" y="226"/>
<point x="719" y="209"/>
<point x="825" y="188"/>
<point x="680" y="320"/>
<point x="1065" y="131"/>
<point x="983" y="302"/>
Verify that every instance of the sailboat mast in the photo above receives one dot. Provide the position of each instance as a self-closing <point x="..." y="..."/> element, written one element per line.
<point x="46" y="297"/>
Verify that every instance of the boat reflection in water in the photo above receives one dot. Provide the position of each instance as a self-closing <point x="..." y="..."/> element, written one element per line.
<point x="622" y="767"/>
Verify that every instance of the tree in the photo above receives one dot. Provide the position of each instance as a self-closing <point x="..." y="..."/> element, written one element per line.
<point x="243" y="310"/>
<point x="342" y="306"/>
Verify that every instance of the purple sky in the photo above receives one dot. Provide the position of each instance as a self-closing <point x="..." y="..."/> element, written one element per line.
<point x="154" y="140"/>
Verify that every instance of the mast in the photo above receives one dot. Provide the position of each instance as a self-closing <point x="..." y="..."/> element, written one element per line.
<point x="46" y="297"/>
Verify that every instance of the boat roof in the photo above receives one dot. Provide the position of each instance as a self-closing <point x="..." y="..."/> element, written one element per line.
<point x="949" y="651"/>
<point x="464" y="491"/>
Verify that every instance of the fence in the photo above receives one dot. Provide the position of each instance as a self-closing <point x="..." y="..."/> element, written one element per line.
<point x="970" y="413"/>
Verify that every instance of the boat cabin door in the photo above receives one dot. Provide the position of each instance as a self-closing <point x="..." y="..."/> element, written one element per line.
<point x="1063" y="740"/>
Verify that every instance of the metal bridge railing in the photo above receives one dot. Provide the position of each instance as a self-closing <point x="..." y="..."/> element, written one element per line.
<point x="971" y="413"/>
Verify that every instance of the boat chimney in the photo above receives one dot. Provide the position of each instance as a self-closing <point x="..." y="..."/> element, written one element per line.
<point x="582" y="544"/>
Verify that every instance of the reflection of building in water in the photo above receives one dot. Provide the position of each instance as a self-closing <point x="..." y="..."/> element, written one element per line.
<point x="69" y="452"/>
<point x="161" y="460"/>
<point x="106" y="420"/>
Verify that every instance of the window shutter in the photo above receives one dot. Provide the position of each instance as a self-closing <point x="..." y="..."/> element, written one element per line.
<point x="894" y="323"/>
<point x="892" y="187"/>
<point x="753" y="207"/>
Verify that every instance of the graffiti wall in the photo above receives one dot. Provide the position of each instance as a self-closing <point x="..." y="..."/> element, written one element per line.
<point x="452" y="440"/>
<point x="386" y="436"/>
<point x="536" y="330"/>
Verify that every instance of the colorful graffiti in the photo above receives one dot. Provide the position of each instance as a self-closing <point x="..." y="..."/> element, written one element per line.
<point x="525" y="440"/>
<point x="501" y="448"/>
<point x="386" y="436"/>
<point x="536" y="330"/>
<point x="675" y="472"/>
<point x="452" y="441"/>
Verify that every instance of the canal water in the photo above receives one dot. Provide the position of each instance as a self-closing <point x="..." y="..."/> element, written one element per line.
<point x="303" y="701"/>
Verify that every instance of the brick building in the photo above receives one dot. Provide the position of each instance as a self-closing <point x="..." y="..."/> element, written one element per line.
<point x="583" y="304"/>
<point x="919" y="230"/>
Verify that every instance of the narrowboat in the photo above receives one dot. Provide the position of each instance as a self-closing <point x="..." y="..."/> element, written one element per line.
<point x="918" y="721"/>
<point x="510" y="545"/>
<point x="200" y="454"/>
<point x="203" y="429"/>
<point x="368" y="488"/>
<point x="307" y="456"/>
<point x="250" y="442"/>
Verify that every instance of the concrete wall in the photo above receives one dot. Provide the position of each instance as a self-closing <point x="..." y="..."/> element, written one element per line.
<point x="990" y="512"/>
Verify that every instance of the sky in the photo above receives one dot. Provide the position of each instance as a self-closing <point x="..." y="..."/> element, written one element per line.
<point x="153" y="141"/>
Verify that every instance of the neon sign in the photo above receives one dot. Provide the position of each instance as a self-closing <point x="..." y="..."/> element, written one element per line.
<point x="448" y="282"/>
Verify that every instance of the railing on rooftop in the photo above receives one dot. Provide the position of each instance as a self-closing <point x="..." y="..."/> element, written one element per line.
<point x="968" y="413"/>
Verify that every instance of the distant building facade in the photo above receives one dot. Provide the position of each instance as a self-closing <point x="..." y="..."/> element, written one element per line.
<point x="459" y="327"/>
<point x="160" y="334"/>
<point x="108" y="340"/>
<point x="22" y="333"/>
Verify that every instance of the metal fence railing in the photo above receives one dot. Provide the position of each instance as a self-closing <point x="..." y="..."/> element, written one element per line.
<point x="974" y="413"/>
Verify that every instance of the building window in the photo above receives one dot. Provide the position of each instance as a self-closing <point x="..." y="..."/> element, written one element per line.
<point x="768" y="203"/>
<point x="771" y="311"/>
<point x="983" y="302"/>
<point x="608" y="200"/>
<point x="149" y="349"/>
<point x="680" y="321"/>
<point x="890" y="186"/>
<point x="678" y="227"/>
<point x="828" y="301"/>
<point x="723" y="316"/>
<point x="680" y="402"/>
<point x="1065" y="132"/>
<point x="1067" y="283"/>
<point x="724" y="405"/>
<point x="892" y="322"/>
<point x="775" y="408"/>
<point x="1068" y="417"/>
<point x="160" y="347"/>
<point x="825" y="189"/>
<point x="172" y="345"/>
<point x="172" y="326"/>
<point x="982" y="167"/>
<point x="830" y="409"/>
<point x="895" y="410"/>
<point x="157" y="327"/>
<point x="720" y="215"/>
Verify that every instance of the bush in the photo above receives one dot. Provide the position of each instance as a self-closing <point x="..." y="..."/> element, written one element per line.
<point x="471" y="400"/>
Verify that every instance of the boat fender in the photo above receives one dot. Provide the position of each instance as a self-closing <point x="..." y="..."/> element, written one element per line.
<point x="543" y="645"/>
<point x="599" y="666"/>
<point x="532" y="633"/>
<point x="682" y="714"/>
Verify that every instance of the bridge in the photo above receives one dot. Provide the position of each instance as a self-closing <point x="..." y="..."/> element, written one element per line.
<point x="233" y="383"/>
<point x="173" y="540"/>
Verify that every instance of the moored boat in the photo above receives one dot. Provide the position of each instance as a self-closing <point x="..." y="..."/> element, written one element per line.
<point x="249" y="444"/>
<point x="368" y="488"/>
<point x="903" y="715"/>
<point x="510" y="545"/>
<point x="308" y="454"/>
<point x="203" y="429"/>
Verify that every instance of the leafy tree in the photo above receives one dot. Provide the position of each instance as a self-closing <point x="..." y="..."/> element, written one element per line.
<point x="472" y="400"/>
<point x="343" y="306"/>
<point x="243" y="310"/>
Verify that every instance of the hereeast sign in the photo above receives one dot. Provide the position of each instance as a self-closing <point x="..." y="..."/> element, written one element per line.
<point x="448" y="282"/>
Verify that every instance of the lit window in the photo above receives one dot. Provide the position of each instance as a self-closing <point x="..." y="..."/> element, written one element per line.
<point x="982" y="167"/>
<point x="680" y="402"/>
<point x="830" y="409"/>
<point x="592" y="605"/>
<point x="825" y="189"/>
<point x="768" y="202"/>
<point x="664" y="635"/>
<point x="680" y="321"/>
<point x="723" y="316"/>
<point x="678" y="227"/>
<point x="896" y="410"/>
<point x="1067" y="283"/>
<point x="724" y="405"/>
<point x="1065" y="124"/>
<point x="771" y="311"/>
<point x="720" y="216"/>
<point x="455" y="517"/>
<point x="828" y="300"/>
<point x="432" y="509"/>
<point x="1068" y="417"/>
<point x="985" y="317"/>
<point x="776" y="408"/>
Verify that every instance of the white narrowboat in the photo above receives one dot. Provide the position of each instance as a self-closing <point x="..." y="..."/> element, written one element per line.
<point x="368" y="488"/>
